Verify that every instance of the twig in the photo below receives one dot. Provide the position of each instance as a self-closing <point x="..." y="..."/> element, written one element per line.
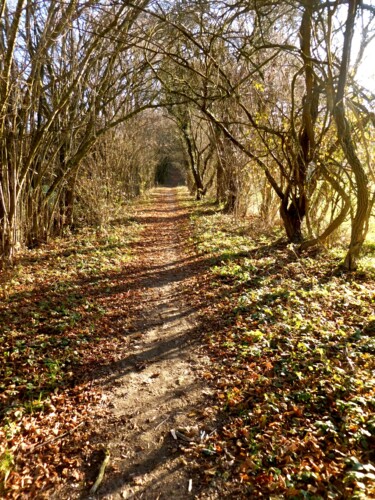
<point x="99" y="479"/>
<point x="161" y="423"/>
<point x="183" y="437"/>
<point x="35" y="447"/>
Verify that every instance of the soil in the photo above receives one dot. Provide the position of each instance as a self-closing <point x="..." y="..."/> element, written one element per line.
<point x="155" y="387"/>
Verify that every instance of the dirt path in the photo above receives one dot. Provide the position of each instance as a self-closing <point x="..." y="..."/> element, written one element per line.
<point x="155" y="387"/>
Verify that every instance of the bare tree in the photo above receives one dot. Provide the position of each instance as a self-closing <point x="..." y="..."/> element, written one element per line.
<point x="71" y="71"/>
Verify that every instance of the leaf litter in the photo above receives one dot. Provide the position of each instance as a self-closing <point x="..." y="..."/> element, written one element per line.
<point x="291" y="340"/>
<point x="57" y="322"/>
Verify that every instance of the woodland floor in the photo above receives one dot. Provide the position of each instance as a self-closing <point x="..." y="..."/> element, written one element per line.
<point x="101" y="349"/>
<point x="208" y="361"/>
<point x="153" y="387"/>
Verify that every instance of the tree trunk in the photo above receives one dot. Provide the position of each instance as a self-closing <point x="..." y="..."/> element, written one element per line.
<point x="266" y="202"/>
<point x="232" y="195"/>
<point x="359" y="224"/>
<point x="292" y="214"/>
<point x="220" y="196"/>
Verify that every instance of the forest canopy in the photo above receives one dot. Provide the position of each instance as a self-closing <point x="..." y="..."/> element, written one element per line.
<point x="258" y="103"/>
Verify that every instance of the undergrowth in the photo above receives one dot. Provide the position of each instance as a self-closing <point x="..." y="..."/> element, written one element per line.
<point x="292" y="340"/>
